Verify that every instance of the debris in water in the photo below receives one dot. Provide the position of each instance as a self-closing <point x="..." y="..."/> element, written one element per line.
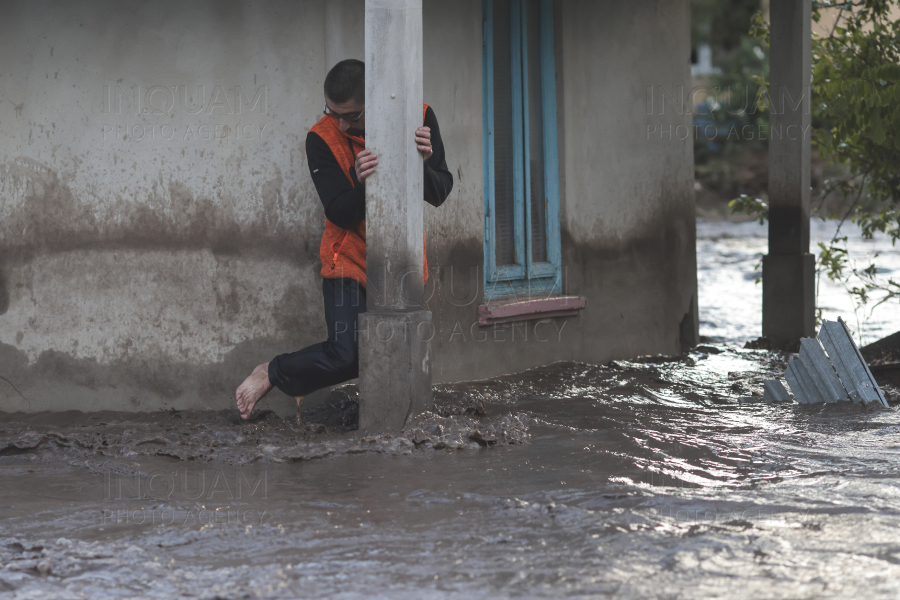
<point x="849" y="363"/>
<point x="774" y="391"/>
<point x="839" y="374"/>
<point x="824" y="377"/>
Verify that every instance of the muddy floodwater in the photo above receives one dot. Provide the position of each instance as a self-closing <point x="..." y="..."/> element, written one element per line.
<point x="651" y="478"/>
<point x="728" y="265"/>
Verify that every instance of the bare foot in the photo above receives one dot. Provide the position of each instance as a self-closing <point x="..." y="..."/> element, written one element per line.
<point x="262" y="367"/>
<point x="253" y="389"/>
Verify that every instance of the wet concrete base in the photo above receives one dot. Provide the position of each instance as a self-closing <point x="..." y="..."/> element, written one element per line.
<point x="655" y="478"/>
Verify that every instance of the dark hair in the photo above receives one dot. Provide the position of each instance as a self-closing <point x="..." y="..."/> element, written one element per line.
<point x="346" y="81"/>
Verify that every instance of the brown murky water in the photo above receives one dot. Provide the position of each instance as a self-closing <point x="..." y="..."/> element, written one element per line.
<point x="656" y="479"/>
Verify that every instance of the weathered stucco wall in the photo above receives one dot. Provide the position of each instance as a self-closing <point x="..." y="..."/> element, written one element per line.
<point x="627" y="196"/>
<point x="628" y="216"/>
<point x="159" y="231"/>
<point x="158" y="228"/>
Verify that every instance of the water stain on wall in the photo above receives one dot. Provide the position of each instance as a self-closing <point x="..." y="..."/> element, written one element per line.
<point x="41" y="212"/>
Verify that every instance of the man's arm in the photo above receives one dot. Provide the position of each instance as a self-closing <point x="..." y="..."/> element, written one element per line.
<point x="438" y="179"/>
<point x="345" y="204"/>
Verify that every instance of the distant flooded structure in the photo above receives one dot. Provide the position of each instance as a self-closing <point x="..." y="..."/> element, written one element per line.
<point x="159" y="229"/>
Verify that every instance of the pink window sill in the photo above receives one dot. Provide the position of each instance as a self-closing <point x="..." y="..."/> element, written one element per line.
<point x="532" y="308"/>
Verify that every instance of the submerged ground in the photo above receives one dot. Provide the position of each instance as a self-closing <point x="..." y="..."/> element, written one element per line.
<point x="656" y="478"/>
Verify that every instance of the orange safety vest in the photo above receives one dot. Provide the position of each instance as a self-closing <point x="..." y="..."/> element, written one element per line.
<point x="343" y="251"/>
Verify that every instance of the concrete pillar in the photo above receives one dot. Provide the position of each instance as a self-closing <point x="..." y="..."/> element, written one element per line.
<point x="789" y="301"/>
<point x="395" y="332"/>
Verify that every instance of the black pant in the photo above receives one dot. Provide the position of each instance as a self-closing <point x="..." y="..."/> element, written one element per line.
<point x="333" y="361"/>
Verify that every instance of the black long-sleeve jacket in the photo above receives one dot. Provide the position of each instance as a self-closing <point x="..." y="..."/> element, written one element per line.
<point x="345" y="204"/>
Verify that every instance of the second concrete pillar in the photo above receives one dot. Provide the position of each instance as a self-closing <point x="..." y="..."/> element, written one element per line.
<point x="789" y="302"/>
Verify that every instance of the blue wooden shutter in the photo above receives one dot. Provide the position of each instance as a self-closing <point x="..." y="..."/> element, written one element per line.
<point x="521" y="178"/>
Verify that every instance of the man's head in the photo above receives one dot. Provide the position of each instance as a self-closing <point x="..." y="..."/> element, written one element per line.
<point x="345" y="95"/>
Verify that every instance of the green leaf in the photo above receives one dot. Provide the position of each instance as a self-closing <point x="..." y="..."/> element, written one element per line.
<point x="877" y="131"/>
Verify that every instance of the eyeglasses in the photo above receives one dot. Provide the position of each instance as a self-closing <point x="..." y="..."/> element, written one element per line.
<point x="337" y="116"/>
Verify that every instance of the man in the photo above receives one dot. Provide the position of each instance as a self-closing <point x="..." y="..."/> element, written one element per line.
<point x="339" y="165"/>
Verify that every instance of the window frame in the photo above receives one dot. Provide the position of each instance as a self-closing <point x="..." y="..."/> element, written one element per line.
<point x="526" y="278"/>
